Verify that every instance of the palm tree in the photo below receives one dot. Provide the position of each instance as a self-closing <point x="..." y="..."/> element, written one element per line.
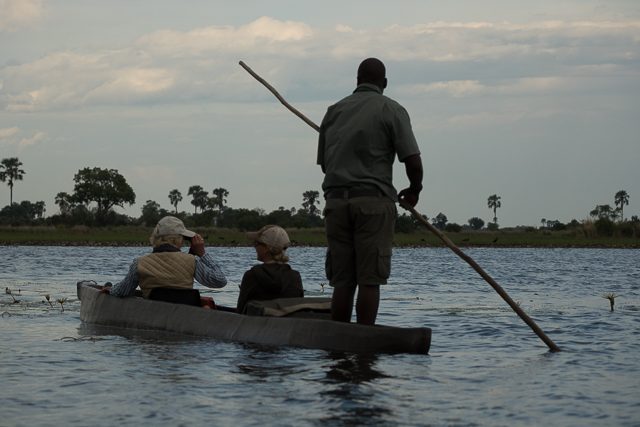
<point x="493" y="202"/>
<point x="199" y="197"/>
<point x="219" y="198"/>
<point x="175" y="197"/>
<point x="193" y="191"/>
<point x="621" y="199"/>
<point x="11" y="173"/>
<point x="310" y="200"/>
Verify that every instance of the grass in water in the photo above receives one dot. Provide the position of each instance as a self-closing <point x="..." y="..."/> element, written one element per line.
<point x="10" y="293"/>
<point x="612" y="299"/>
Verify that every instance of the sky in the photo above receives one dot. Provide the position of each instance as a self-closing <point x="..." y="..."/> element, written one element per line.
<point x="537" y="102"/>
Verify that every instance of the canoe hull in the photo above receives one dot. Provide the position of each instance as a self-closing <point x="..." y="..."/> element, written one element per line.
<point x="139" y="313"/>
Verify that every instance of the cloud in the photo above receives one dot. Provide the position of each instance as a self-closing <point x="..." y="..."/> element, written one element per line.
<point x="344" y="29"/>
<point x="456" y="88"/>
<point x="536" y="85"/>
<point x="479" y="41"/>
<point x="32" y="140"/>
<point x="153" y="174"/>
<point x="272" y="29"/>
<point x="263" y="33"/>
<point x="14" y="136"/>
<point x="7" y="133"/>
<point x="484" y="119"/>
<point x="132" y="83"/>
<point x="171" y="66"/>
<point x="467" y="88"/>
<point x="19" y="13"/>
<point x="60" y="79"/>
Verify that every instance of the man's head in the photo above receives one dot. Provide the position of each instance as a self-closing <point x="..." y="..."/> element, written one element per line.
<point x="372" y="71"/>
<point x="170" y="230"/>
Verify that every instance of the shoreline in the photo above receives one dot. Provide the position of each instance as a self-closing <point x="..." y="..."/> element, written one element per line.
<point x="131" y="236"/>
<point x="135" y="245"/>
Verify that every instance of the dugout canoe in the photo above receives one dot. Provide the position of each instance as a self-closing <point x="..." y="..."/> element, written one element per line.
<point x="139" y="313"/>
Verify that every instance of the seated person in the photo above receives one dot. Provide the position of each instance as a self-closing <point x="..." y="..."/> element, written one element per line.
<point x="167" y="266"/>
<point x="274" y="278"/>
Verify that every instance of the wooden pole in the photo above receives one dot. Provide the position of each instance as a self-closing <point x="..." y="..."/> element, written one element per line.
<point x="280" y="98"/>
<point x="528" y="320"/>
<point x="552" y="346"/>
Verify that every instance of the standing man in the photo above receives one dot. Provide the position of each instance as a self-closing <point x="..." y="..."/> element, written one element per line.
<point x="360" y="137"/>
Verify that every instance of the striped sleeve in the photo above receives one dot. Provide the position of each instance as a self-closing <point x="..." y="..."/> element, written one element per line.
<point x="208" y="272"/>
<point x="127" y="286"/>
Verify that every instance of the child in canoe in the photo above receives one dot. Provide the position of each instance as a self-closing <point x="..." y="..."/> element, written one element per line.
<point x="274" y="277"/>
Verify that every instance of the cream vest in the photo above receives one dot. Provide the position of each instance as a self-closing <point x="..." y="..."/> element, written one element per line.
<point x="166" y="270"/>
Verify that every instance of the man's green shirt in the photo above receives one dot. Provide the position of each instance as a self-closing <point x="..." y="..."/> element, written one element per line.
<point x="360" y="137"/>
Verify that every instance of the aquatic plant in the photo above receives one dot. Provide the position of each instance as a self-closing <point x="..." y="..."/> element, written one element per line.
<point x="61" y="301"/>
<point x="612" y="299"/>
<point x="48" y="298"/>
<point x="8" y="291"/>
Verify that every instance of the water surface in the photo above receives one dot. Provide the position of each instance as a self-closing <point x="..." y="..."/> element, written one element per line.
<point x="486" y="367"/>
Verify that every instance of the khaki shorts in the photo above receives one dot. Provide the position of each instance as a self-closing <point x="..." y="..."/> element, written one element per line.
<point x="360" y="236"/>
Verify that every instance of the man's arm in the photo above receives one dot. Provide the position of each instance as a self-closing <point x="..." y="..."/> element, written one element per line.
<point x="128" y="285"/>
<point x="320" y="154"/>
<point x="413" y="169"/>
<point x="208" y="272"/>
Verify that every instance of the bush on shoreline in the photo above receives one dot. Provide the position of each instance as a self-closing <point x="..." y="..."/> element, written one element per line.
<point x="587" y="235"/>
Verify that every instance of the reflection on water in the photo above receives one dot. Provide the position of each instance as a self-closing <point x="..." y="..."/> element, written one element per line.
<point x="266" y="364"/>
<point x="353" y="368"/>
<point x="486" y="367"/>
<point x="349" y="386"/>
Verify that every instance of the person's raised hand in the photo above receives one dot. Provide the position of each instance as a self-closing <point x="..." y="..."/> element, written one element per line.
<point x="197" y="245"/>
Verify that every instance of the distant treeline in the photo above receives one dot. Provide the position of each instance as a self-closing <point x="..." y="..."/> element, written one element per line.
<point x="25" y="214"/>
<point x="98" y="191"/>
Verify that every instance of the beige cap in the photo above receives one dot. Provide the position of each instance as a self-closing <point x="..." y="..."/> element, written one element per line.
<point x="170" y="225"/>
<point x="271" y="235"/>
